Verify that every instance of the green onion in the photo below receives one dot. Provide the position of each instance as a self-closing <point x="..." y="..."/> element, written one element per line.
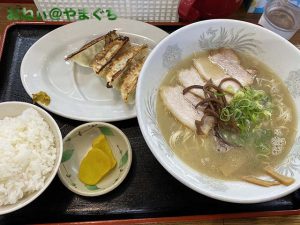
<point x="217" y="94"/>
<point x="225" y="115"/>
<point x="248" y="109"/>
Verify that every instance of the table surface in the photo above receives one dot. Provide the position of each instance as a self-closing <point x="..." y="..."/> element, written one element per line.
<point x="287" y="219"/>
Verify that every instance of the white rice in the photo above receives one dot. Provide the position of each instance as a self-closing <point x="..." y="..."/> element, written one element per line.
<point x="27" y="155"/>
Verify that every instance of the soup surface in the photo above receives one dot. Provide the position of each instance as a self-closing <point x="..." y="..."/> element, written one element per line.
<point x="266" y="145"/>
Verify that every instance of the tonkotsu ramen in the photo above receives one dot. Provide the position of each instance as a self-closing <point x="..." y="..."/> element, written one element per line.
<point x="227" y="115"/>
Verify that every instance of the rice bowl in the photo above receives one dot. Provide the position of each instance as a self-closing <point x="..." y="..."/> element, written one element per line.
<point x="31" y="150"/>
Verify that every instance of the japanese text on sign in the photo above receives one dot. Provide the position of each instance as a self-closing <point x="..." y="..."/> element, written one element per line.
<point x="57" y="14"/>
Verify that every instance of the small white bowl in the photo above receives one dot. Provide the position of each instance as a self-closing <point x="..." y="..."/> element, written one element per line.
<point x="76" y="145"/>
<point x="13" y="109"/>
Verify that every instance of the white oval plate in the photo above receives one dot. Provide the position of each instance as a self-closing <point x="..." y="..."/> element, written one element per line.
<point x="75" y="91"/>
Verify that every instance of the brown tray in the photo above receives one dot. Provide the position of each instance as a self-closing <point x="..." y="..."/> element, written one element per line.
<point x="148" y="194"/>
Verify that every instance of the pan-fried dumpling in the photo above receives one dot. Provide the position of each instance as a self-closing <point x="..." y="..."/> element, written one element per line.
<point x="129" y="80"/>
<point x="114" y="70"/>
<point x="85" y="55"/>
<point x="108" y="53"/>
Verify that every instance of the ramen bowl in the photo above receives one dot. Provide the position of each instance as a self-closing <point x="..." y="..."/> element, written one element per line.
<point x="203" y="36"/>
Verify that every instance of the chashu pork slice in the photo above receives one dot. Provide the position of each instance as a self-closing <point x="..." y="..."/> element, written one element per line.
<point x="211" y="71"/>
<point x="115" y="69"/>
<point x="109" y="51"/>
<point x="228" y="60"/>
<point x="208" y="121"/>
<point x="85" y="55"/>
<point x="182" y="107"/>
<point x="189" y="77"/>
<point x="129" y="80"/>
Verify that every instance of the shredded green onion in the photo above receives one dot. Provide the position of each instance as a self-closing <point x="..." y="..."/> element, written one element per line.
<point x="248" y="109"/>
<point x="217" y="94"/>
<point x="225" y="116"/>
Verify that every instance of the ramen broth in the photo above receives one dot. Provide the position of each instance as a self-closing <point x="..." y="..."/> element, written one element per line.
<point x="199" y="151"/>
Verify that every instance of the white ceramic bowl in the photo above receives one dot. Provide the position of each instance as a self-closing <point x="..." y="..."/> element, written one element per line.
<point x="273" y="50"/>
<point x="12" y="109"/>
<point x="76" y="145"/>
